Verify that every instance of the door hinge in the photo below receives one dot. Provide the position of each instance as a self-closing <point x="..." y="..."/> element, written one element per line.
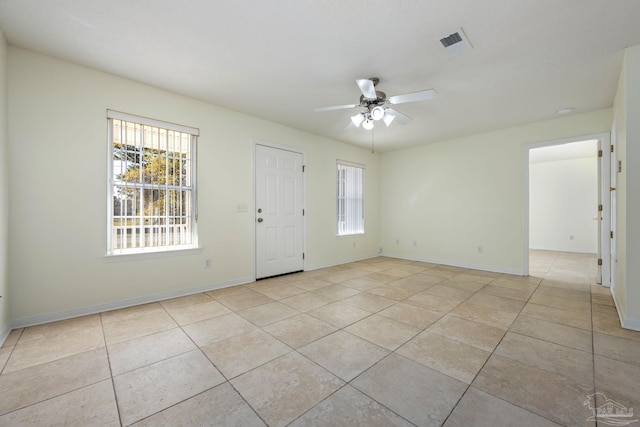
<point x="599" y="261"/>
<point x="302" y="212"/>
<point x="612" y="148"/>
<point x="611" y="234"/>
<point x="599" y="153"/>
<point x="303" y="168"/>
<point x="600" y="207"/>
<point x="302" y="255"/>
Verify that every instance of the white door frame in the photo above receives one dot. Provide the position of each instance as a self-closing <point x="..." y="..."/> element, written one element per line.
<point x="254" y="217"/>
<point x="605" y="137"/>
<point x="604" y="180"/>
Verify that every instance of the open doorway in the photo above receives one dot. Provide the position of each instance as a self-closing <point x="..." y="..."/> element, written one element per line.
<point x="564" y="181"/>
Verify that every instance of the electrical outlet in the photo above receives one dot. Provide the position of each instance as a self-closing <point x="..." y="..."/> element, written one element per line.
<point x="415" y="243"/>
<point x="398" y="242"/>
<point x="572" y="237"/>
<point x="480" y="249"/>
<point x="208" y="263"/>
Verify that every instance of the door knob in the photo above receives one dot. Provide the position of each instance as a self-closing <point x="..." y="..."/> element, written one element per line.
<point x="260" y="220"/>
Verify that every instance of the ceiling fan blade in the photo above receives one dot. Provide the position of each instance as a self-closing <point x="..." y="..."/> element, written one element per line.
<point x="422" y="95"/>
<point x="335" y="107"/>
<point x="367" y="88"/>
<point x="401" y="118"/>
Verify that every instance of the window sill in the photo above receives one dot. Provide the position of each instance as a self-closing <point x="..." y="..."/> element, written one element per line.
<point x="151" y="255"/>
<point x="349" y="236"/>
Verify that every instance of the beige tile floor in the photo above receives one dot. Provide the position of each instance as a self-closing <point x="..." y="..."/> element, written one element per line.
<point x="373" y="343"/>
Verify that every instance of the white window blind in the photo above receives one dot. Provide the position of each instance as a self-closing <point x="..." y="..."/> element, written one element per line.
<point x="152" y="198"/>
<point x="349" y="198"/>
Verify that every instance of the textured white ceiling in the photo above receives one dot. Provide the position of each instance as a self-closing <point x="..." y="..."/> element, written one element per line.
<point x="279" y="59"/>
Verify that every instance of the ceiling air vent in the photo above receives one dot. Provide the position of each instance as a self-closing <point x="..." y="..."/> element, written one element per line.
<point x="455" y="43"/>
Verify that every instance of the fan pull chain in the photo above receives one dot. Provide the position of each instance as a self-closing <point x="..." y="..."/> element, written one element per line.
<point x="372" y="150"/>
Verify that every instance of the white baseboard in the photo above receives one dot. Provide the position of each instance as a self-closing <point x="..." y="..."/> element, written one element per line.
<point x="319" y="266"/>
<point x="38" y="319"/>
<point x="4" y="333"/>
<point x="631" y="323"/>
<point x="492" y="268"/>
<point x="625" y="321"/>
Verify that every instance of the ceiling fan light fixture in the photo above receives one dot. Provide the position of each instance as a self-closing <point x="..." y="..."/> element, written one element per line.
<point x="367" y="124"/>
<point x="377" y="113"/>
<point x="388" y="118"/>
<point x="357" y="119"/>
<point x="375" y="105"/>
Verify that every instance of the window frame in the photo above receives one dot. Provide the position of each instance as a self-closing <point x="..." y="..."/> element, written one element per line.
<point x="360" y="230"/>
<point x="192" y="216"/>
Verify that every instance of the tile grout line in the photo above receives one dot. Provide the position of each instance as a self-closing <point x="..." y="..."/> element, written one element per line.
<point x="178" y="326"/>
<point x="74" y="389"/>
<point x="593" y="352"/>
<point x="492" y="353"/>
<point x="592" y="348"/>
<point x="113" y="384"/>
<point x="511" y="403"/>
<point x="226" y="380"/>
<point x="296" y="350"/>
<point x="346" y="383"/>
<point x="421" y="330"/>
<point x="13" y="348"/>
<point x="424" y="329"/>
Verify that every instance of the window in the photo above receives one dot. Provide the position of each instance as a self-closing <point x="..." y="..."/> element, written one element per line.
<point x="152" y="198"/>
<point x="349" y="206"/>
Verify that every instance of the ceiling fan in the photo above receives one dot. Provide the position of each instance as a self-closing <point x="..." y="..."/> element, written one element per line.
<point x="376" y="105"/>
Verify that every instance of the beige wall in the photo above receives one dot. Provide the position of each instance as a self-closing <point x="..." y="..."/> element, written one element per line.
<point x="627" y="131"/>
<point x="449" y="197"/>
<point x="453" y="196"/>
<point x="4" y="194"/>
<point x="563" y="201"/>
<point x="58" y="161"/>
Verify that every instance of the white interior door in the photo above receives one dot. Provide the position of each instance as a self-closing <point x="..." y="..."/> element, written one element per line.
<point x="279" y="211"/>
<point x="612" y="218"/>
